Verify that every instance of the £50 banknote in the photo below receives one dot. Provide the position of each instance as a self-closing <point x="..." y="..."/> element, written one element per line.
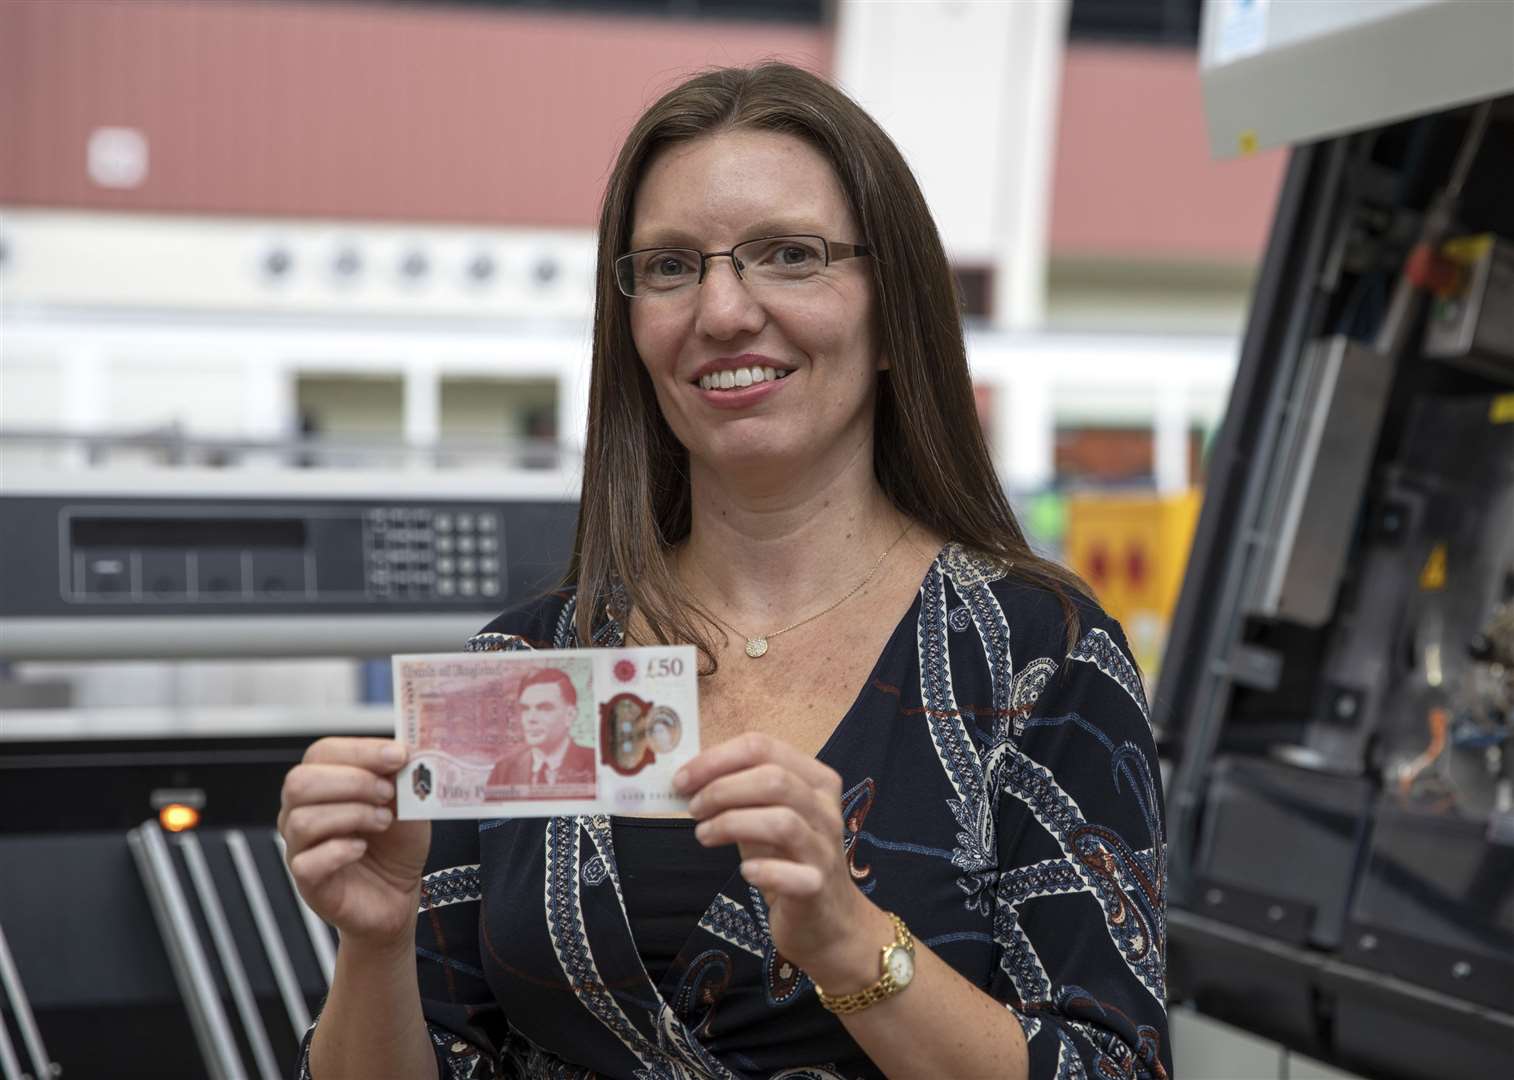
<point x="541" y="733"/>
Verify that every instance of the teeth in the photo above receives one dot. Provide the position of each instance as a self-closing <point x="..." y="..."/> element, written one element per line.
<point x="732" y="379"/>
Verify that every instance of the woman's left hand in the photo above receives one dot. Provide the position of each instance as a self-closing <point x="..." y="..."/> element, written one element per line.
<point x="783" y="811"/>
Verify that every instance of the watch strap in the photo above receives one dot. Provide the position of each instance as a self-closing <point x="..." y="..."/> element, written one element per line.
<point x="886" y="986"/>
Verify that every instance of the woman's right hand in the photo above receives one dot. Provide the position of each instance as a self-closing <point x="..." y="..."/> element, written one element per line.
<point x="355" y="865"/>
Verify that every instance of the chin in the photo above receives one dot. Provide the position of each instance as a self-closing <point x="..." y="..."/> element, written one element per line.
<point x="735" y="449"/>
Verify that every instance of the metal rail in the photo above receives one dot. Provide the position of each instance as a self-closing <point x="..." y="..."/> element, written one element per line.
<point x="191" y="967"/>
<point x="176" y="446"/>
<point x="226" y="951"/>
<point x="10" y="1065"/>
<point x="15" y="994"/>
<point x="268" y="931"/>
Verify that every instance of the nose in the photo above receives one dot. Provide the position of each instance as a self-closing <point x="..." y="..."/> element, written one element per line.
<point x="726" y="306"/>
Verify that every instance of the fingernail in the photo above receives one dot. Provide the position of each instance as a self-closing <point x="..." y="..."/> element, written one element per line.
<point x="681" y="780"/>
<point x="382" y="816"/>
<point x="393" y="754"/>
<point x="702" y="831"/>
<point x="384" y="790"/>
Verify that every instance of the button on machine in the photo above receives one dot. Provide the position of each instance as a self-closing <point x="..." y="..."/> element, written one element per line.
<point x="427" y="554"/>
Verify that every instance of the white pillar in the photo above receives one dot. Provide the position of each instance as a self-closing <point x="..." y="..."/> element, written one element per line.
<point x="969" y="91"/>
<point x="573" y="401"/>
<point x="422" y="410"/>
<point x="86" y="371"/>
<point x="1022" y="226"/>
<point x="1025" y="433"/>
<point x="1170" y="439"/>
<point x="268" y="400"/>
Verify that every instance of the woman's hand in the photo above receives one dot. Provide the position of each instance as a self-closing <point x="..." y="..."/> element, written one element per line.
<point x="783" y="811"/>
<point x="356" y="866"/>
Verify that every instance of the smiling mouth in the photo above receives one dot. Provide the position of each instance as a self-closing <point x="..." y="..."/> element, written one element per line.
<point x="740" y="378"/>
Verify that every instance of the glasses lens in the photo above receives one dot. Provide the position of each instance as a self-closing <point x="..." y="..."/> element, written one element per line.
<point x="781" y="258"/>
<point x="660" y="270"/>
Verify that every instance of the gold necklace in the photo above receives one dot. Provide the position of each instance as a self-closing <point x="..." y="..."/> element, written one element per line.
<point x="757" y="647"/>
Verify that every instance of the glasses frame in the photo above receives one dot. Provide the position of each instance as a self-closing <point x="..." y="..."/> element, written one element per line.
<point x="835" y="251"/>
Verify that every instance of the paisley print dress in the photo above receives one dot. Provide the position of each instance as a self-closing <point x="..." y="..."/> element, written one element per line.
<point x="1002" y="795"/>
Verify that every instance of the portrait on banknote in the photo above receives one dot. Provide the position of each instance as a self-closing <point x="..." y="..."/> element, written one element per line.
<point x="546" y="761"/>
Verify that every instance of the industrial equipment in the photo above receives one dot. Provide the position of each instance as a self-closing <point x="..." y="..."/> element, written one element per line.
<point x="153" y="928"/>
<point x="210" y="562"/>
<point x="1337" y="690"/>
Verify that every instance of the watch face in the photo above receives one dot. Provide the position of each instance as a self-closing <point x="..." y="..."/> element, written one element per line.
<point x="901" y="965"/>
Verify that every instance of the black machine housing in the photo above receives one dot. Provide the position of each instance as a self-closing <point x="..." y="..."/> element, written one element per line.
<point x="1338" y="693"/>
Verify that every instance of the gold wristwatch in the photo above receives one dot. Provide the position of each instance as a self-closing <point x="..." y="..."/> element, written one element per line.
<point x="898" y="970"/>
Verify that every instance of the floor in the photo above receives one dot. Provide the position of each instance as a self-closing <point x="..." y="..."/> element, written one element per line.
<point x="1205" y="1049"/>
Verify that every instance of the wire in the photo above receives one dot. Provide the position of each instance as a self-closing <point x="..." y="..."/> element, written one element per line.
<point x="1438" y="722"/>
<point x="1470" y="144"/>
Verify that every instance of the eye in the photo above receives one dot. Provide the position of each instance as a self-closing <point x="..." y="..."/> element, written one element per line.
<point x="668" y="264"/>
<point x="786" y="256"/>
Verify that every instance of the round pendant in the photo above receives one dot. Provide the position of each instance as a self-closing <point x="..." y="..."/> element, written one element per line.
<point x="756" y="646"/>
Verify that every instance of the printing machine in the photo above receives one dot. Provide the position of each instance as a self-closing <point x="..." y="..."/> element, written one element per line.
<point x="1338" y="689"/>
<point x="138" y="950"/>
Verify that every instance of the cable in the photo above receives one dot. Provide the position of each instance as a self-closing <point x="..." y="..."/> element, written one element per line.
<point x="1438" y="722"/>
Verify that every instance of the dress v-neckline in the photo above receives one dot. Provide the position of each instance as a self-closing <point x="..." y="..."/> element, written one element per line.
<point x="665" y="989"/>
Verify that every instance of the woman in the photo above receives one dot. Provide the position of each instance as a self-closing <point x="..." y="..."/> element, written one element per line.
<point x="782" y="439"/>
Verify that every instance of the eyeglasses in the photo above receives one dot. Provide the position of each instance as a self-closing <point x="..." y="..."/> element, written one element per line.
<point x="768" y="260"/>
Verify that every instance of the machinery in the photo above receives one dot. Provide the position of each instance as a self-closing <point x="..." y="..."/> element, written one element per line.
<point x="1338" y="692"/>
<point x="152" y="929"/>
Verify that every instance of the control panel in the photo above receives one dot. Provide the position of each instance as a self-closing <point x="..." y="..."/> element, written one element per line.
<point x="169" y="556"/>
<point x="112" y="555"/>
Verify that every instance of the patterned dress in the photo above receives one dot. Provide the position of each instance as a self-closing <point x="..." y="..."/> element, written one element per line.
<point x="1001" y="794"/>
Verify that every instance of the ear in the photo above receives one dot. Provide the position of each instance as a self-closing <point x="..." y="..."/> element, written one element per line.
<point x="884" y="364"/>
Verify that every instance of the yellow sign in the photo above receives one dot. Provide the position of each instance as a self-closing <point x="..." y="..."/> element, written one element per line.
<point x="1247" y="142"/>
<point x="1502" y="410"/>
<point x="1132" y="550"/>
<point x="1468" y="249"/>
<point x="1433" y="577"/>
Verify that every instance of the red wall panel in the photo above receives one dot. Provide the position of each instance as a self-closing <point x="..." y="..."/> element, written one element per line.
<point x="345" y="110"/>
<point x="1133" y="177"/>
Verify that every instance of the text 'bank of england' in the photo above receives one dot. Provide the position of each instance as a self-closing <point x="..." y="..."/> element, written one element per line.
<point x="542" y="733"/>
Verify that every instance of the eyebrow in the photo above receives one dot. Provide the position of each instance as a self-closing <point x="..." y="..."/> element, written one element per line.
<point x="662" y="238"/>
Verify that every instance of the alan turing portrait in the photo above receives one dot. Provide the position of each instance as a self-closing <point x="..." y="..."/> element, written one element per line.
<point x="547" y="763"/>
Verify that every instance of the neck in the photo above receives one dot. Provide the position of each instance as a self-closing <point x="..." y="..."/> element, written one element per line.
<point x="550" y="752"/>
<point x="766" y="549"/>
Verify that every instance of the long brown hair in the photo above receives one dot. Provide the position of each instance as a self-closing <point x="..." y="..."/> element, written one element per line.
<point x="928" y="451"/>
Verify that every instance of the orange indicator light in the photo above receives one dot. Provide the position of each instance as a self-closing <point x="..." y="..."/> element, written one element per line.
<point x="176" y="817"/>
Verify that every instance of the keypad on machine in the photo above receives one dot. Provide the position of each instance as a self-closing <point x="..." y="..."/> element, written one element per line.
<point x="417" y="553"/>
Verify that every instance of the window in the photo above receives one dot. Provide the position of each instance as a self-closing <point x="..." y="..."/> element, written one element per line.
<point x="1156" y="22"/>
<point x="795" y="11"/>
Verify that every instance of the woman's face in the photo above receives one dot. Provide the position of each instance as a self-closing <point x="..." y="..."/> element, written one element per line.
<point x="817" y="334"/>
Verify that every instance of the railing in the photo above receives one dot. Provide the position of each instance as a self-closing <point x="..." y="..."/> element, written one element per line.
<point x="171" y="445"/>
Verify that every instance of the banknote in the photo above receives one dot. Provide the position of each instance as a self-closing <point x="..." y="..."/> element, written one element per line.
<point x="547" y="732"/>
